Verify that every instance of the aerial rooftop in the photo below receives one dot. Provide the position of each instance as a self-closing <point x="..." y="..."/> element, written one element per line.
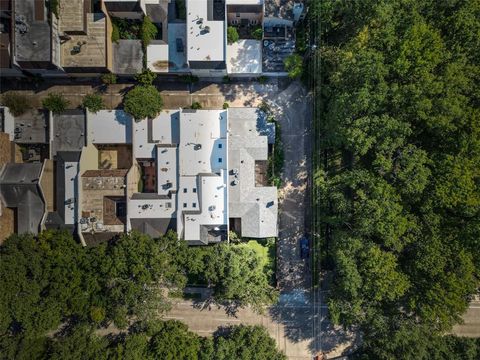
<point x="32" y="32"/>
<point x="205" y="31"/>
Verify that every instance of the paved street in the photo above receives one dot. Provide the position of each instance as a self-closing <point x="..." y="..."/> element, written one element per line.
<point x="471" y="325"/>
<point x="291" y="109"/>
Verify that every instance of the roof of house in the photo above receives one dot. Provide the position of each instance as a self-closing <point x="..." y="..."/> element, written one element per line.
<point x="32" y="31"/>
<point x="68" y="131"/>
<point x="154" y="227"/>
<point x="244" y="57"/>
<point x="20" y="189"/>
<point x="257" y="206"/>
<point x="127" y="57"/>
<point x="205" y="36"/>
<point x="110" y="127"/>
<point x="202" y="166"/>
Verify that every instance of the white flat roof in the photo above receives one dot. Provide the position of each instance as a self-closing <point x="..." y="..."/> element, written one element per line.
<point x="109" y="127"/>
<point x="151" y="208"/>
<point x="165" y="126"/>
<point x="166" y="169"/>
<point x="204" y="45"/>
<point x="142" y="148"/>
<point x="244" y="57"/>
<point x="213" y="203"/>
<point x="157" y="57"/>
<point x="71" y="172"/>
<point x="202" y="147"/>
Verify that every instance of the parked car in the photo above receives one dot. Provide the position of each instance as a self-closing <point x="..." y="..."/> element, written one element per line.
<point x="304" y="247"/>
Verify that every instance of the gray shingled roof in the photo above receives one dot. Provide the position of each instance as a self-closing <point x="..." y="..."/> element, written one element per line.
<point x="20" y="189"/>
<point x="256" y="206"/>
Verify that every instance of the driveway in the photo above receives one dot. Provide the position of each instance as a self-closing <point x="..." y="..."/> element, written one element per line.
<point x="292" y="109"/>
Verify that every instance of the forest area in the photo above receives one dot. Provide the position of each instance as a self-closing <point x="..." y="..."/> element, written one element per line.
<point x="59" y="300"/>
<point x="397" y="170"/>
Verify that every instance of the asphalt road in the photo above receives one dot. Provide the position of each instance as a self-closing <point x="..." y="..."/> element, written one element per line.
<point x="471" y="325"/>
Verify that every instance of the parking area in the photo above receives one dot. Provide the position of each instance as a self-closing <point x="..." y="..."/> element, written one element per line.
<point x="275" y="52"/>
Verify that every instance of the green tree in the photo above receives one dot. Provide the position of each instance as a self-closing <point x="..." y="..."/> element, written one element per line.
<point x="109" y="78"/>
<point x="235" y="272"/>
<point x="17" y="103"/>
<point x="397" y="170"/>
<point x="196" y="105"/>
<point x="55" y="103"/>
<point x="173" y="340"/>
<point x="232" y="35"/>
<point x="246" y="342"/>
<point x="294" y="65"/>
<point x="93" y="102"/>
<point x="146" y="77"/>
<point x="80" y="344"/>
<point x="143" y="102"/>
<point x="46" y="271"/>
<point x="148" y="31"/>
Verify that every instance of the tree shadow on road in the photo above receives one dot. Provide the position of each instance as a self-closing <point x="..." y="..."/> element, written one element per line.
<point x="304" y="322"/>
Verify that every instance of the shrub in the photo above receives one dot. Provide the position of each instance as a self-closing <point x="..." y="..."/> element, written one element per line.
<point x="225" y="105"/>
<point x="257" y="33"/>
<point x="196" y="105"/>
<point x="55" y="103"/>
<point x="17" y="103"/>
<point x="189" y="79"/>
<point x="93" y="102"/>
<point x="148" y="31"/>
<point x="294" y="65"/>
<point x="54" y="7"/>
<point x="143" y="101"/>
<point x="146" y="77"/>
<point x="262" y="79"/>
<point x="232" y="35"/>
<point x="181" y="9"/>
<point x="227" y="79"/>
<point x="115" y="32"/>
<point x="109" y="78"/>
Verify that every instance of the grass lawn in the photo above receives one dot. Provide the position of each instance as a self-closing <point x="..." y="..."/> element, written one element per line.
<point x="266" y="249"/>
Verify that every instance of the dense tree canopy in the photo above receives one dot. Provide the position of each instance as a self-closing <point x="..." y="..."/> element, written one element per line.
<point x="398" y="179"/>
<point x="236" y="273"/>
<point x="152" y="340"/>
<point x="51" y="278"/>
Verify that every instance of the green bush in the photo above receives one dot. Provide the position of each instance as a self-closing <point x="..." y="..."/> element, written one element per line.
<point x="262" y="79"/>
<point x="257" y="33"/>
<point x="232" y="35"/>
<point x="17" y="103"/>
<point x="294" y="66"/>
<point x="227" y="79"/>
<point x="109" y="78"/>
<point x="143" y="102"/>
<point x="55" y="103"/>
<point x="189" y="79"/>
<point x="54" y="7"/>
<point x="148" y="31"/>
<point x="196" y="105"/>
<point x="147" y="77"/>
<point x="225" y="105"/>
<point x="181" y="9"/>
<point x="115" y="32"/>
<point x="93" y="103"/>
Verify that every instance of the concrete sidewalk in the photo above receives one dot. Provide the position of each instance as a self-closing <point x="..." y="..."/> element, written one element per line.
<point x="210" y="96"/>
